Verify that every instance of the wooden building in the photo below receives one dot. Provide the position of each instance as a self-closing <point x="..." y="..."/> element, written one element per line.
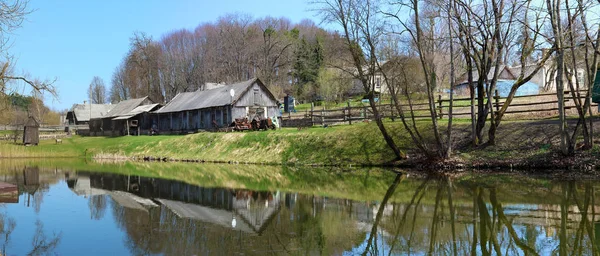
<point x="139" y="120"/>
<point x="113" y="123"/>
<point x="209" y="109"/>
<point x="31" y="134"/>
<point x="82" y="113"/>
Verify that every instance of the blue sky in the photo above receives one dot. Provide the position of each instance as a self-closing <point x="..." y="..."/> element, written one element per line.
<point x="75" y="40"/>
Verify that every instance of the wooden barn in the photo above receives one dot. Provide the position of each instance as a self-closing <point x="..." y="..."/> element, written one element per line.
<point x="116" y="121"/>
<point x="82" y="113"/>
<point x="139" y="120"/>
<point x="203" y="110"/>
<point x="31" y="133"/>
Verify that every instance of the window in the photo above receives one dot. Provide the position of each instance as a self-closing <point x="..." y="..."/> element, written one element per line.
<point x="378" y="83"/>
<point x="256" y="97"/>
<point x="225" y="121"/>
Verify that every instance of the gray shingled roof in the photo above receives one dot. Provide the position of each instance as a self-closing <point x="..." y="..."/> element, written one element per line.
<point x="205" y="99"/>
<point x="124" y="107"/>
<point x="83" y="111"/>
<point x="136" y="111"/>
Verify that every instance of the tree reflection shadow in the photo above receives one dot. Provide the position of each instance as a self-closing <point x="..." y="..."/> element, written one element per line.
<point x="434" y="223"/>
<point x="42" y="244"/>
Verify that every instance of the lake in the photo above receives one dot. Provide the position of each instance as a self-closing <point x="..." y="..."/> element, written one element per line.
<point x="76" y="208"/>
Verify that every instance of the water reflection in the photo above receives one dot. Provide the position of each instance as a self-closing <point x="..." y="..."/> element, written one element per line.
<point x="183" y="219"/>
<point x="63" y="212"/>
<point x="484" y="225"/>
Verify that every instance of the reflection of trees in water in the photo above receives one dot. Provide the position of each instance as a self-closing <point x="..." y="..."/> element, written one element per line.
<point x="42" y="244"/>
<point x="97" y="205"/>
<point x="484" y="225"/>
<point x="7" y="226"/>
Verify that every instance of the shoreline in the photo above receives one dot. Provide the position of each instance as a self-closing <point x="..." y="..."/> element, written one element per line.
<point x="525" y="146"/>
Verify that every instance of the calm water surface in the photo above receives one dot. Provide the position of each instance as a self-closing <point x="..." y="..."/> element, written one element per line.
<point x="57" y="211"/>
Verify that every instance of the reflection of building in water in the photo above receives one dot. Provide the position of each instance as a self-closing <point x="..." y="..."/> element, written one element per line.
<point x="193" y="220"/>
<point x="9" y="193"/>
<point x="251" y="210"/>
<point x="29" y="182"/>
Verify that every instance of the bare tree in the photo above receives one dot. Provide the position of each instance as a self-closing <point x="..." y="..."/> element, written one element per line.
<point x="97" y="91"/>
<point x="576" y="52"/>
<point x="143" y="68"/>
<point x="362" y="26"/>
<point x="118" y="88"/>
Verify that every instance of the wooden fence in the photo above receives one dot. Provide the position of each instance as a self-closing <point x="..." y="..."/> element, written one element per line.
<point x="522" y="107"/>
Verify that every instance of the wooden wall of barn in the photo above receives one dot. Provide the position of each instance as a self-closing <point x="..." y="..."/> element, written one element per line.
<point x="194" y="120"/>
<point x="256" y="97"/>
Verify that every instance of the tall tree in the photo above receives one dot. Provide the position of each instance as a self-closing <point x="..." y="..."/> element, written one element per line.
<point x="97" y="91"/>
<point x="361" y="28"/>
<point x="118" y="87"/>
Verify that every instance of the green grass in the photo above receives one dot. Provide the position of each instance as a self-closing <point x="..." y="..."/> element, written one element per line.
<point x="360" y="143"/>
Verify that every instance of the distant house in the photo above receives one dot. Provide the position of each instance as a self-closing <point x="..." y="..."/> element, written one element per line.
<point x="506" y="78"/>
<point x="542" y="81"/>
<point x="376" y="80"/>
<point x="82" y="113"/>
<point x="192" y="111"/>
<point x="116" y="121"/>
<point x="31" y="134"/>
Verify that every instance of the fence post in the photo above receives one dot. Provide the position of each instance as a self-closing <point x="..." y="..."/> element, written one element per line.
<point x="440" y="106"/>
<point x="323" y="116"/>
<point x="312" y="118"/>
<point x="349" y="114"/>
<point x="392" y="109"/>
<point x="497" y="100"/>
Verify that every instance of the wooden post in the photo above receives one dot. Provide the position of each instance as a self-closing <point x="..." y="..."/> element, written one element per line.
<point x="349" y="114"/>
<point x="312" y="118"/>
<point x="497" y="100"/>
<point x="323" y="116"/>
<point x="127" y="124"/>
<point x="171" y="122"/>
<point x="440" y="106"/>
<point x="392" y="109"/>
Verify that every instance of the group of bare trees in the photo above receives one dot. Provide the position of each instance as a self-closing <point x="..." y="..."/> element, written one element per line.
<point x="12" y="84"/>
<point x="470" y="40"/>
<point x="287" y="57"/>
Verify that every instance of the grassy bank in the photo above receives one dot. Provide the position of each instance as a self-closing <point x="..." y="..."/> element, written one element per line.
<point x="360" y="143"/>
<point x="519" y="142"/>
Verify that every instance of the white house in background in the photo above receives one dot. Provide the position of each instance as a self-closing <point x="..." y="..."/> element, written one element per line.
<point x="546" y="77"/>
<point x="376" y="78"/>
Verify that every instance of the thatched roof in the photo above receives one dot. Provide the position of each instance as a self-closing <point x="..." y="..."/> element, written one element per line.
<point x="83" y="112"/>
<point x="206" y="99"/>
<point x="124" y="107"/>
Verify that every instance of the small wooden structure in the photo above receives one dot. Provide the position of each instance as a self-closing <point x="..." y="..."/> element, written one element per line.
<point x="31" y="133"/>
